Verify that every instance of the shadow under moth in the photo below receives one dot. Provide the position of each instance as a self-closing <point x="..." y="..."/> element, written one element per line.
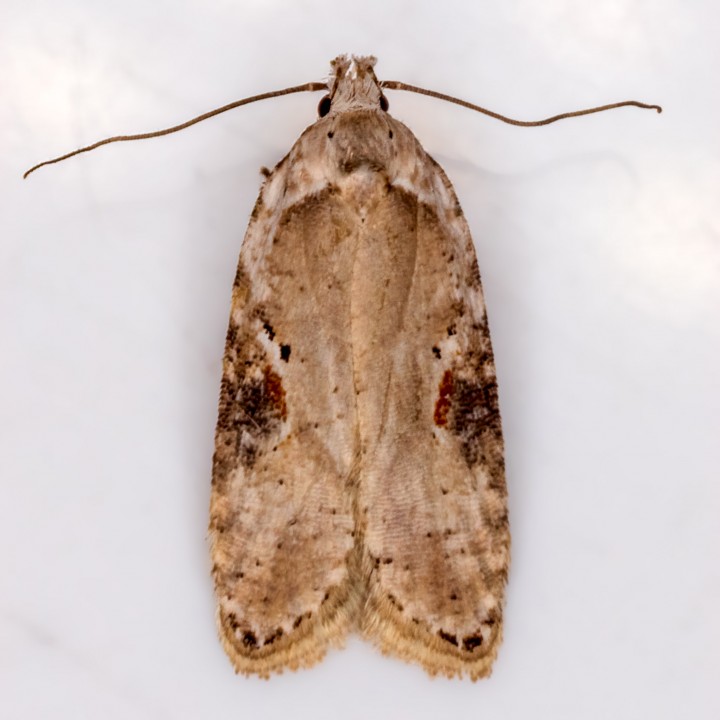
<point x="358" y="477"/>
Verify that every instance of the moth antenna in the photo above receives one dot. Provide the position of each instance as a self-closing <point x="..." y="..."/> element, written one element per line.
<point x="307" y="87"/>
<point x="395" y="85"/>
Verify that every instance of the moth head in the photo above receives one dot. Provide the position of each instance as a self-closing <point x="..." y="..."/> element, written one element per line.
<point x="353" y="86"/>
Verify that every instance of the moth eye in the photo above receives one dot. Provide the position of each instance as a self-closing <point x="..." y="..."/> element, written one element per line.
<point x="324" y="106"/>
<point x="384" y="104"/>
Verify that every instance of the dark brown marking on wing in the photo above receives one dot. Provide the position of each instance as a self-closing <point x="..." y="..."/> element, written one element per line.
<point x="467" y="406"/>
<point x="252" y="408"/>
<point x="452" y="639"/>
<point x="475" y="412"/>
<point x="470" y="642"/>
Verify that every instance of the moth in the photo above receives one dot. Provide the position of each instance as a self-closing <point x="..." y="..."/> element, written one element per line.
<point x="358" y="477"/>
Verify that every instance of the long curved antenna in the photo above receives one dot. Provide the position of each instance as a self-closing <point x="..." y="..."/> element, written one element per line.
<point x="307" y="87"/>
<point x="316" y="86"/>
<point x="395" y="85"/>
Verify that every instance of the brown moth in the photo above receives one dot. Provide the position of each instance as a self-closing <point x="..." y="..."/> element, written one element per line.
<point x="358" y="477"/>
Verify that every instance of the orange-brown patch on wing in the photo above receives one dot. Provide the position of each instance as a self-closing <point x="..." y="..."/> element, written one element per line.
<point x="275" y="392"/>
<point x="445" y="391"/>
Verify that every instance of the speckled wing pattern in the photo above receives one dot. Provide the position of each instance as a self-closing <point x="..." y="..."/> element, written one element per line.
<point x="358" y="477"/>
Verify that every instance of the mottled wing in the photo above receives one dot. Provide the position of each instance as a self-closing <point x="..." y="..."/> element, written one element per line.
<point x="281" y="515"/>
<point x="433" y="496"/>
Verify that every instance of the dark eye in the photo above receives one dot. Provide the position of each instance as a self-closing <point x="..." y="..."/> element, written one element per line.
<point x="384" y="104"/>
<point x="324" y="106"/>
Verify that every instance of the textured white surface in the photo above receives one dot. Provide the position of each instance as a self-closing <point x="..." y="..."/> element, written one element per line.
<point x="599" y="247"/>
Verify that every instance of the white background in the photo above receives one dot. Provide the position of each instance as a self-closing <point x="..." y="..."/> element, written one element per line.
<point x="599" y="247"/>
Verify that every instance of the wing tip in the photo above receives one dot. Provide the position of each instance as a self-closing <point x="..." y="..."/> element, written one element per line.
<point x="413" y="643"/>
<point x="302" y="647"/>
